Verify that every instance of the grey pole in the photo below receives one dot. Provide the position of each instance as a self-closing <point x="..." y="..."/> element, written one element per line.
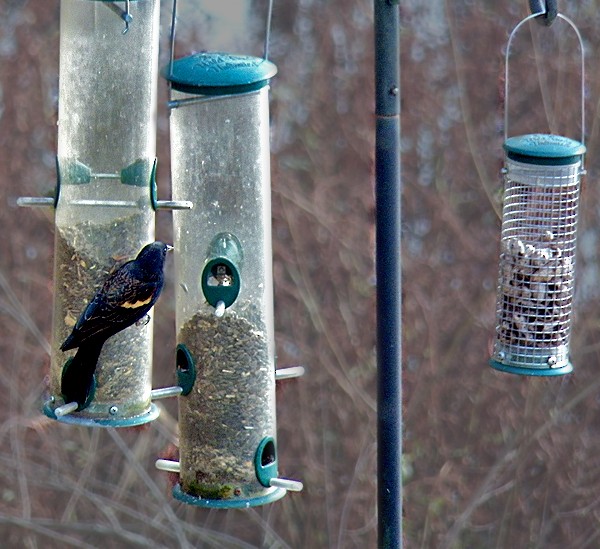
<point x="388" y="268"/>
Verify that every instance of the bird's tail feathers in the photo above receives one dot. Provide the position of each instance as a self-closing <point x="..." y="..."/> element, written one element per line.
<point x="77" y="380"/>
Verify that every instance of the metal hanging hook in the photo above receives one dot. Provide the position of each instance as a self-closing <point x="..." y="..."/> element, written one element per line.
<point x="545" y="11"/>
<point x="506" y="67"/>
<point x="124" y="14"/>
<point x="127" y="17"/>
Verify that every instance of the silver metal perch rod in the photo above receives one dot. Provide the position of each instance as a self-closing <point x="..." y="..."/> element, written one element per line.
<point x="167" y="465"/>
<point x="66" y="409"/>
<point x="289" y="373"/>
<point x="42" y="201"/>
<point x="166" y="392"/>
<point x="287" y="484"/>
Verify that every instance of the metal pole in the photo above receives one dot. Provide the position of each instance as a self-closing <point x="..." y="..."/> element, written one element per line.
<point x="388" y="266"/>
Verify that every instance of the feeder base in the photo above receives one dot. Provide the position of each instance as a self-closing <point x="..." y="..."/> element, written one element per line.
<point x="273" y="494"/>
<point x="76" y="419"/>
<point x="566" y="369"/>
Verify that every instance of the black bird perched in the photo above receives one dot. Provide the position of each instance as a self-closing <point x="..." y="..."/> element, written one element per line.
<point x="125" y="297"/>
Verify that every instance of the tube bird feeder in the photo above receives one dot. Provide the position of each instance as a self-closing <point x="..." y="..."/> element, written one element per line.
<point x="534" y="305"/>
<point x="224" y="296"/>
<point x="105" y="196"/>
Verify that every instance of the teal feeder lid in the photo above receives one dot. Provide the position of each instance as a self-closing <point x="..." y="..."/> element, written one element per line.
<point x="215" y="73"/>
<point x="544" y="149"/>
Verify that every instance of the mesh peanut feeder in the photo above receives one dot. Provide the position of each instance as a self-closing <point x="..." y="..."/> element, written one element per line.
<point x="534" y="303"/>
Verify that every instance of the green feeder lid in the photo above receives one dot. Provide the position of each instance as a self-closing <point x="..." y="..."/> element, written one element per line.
<point x="215" y="73"/>
<point x="545" y="149"/>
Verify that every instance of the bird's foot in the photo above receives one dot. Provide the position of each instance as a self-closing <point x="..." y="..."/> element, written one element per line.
<point x="143" y="321"/>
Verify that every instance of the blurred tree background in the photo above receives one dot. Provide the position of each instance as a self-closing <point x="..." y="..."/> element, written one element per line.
<point x="491" y="459"/>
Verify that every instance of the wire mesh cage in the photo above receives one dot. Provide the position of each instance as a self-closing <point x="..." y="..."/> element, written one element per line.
<point x="104" y="207"/>
<point x="537" y="259"/>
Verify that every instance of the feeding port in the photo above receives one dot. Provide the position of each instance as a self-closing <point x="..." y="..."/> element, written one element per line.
<point x="104" y="207"/>
<point x="537" y="259"/>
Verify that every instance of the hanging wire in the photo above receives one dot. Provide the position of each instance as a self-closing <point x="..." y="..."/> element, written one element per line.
<point x="172" y="42"/>
<point x="127" y="17"/>
<point x="174" y="104"/>
<point x="268" y="30"/>
<point x="173" y="24"/>
<point x="506" y="66"/>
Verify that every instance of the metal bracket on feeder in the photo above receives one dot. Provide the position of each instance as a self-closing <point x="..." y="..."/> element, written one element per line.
<point x="538" y="243"/>
<point x="165" y="204"/>
<point x="43" y="201"/>
<point x="77" y="173"/>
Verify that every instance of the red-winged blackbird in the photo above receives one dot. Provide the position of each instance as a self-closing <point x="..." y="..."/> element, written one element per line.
<point x="125" y="297"/>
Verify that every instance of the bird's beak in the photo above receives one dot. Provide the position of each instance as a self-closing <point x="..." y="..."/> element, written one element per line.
<point x="169" y="247"/>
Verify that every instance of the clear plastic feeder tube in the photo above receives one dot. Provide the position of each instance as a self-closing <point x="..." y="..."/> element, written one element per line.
<point x="220" y="161"/>
<point x="104" y="212"/>
<point x="537" y="257"/>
